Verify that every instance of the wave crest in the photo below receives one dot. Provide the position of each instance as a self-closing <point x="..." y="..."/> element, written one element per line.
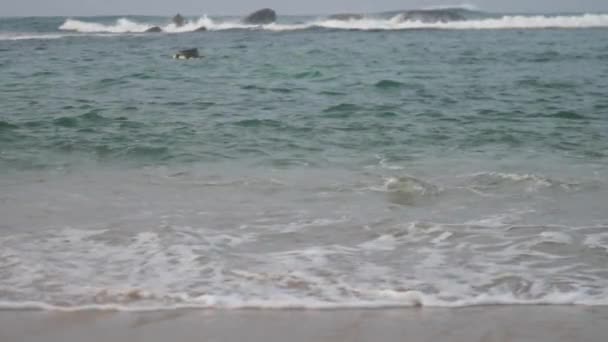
<point x="396" y="22"/>
<point x="390" y="299"/>
<point x="463" y="6"/>
<point x="122" y="25"/>
<point x="530" y="182"/>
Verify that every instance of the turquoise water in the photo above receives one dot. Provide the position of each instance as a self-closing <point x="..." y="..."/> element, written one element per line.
<point x="313" y="96"/>
<point x="312" y="165"/>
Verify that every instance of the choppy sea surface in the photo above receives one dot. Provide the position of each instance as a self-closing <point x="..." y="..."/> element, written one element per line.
<point x="310" y="163"/>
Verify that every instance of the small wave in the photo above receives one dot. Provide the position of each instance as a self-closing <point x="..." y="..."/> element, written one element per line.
<point x="407" y="190"/>
<point x="309" y="74"/>
<point x="570" y="115"/>
<point x="389" y="84"/>
<point x="536" y="83"/>
<point x="23" y="36"/>
<point x="531" y="182"/>
<point x="4" y="125"/>
<point x="342" y="107"/>
<point x="386" y="114"/>
<point x="408" y="184"/>
<point x="66" y="121"/>
<point x="331" y="93"/>
<point x="398" y="298"/>
<point x="396" y="22"/>
<point x="342" y="110"/>
<point x="258" y="123"/>
<point x="91" y="117"/>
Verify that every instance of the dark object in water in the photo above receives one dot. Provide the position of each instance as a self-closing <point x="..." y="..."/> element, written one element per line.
<point x="263" y="16"/>
<point x="154" y="29"/>
<point x="201" y="29"/>
<point x="346" y="16"/>
<point x="187" y="54"/>
<point x="178" y="20"/>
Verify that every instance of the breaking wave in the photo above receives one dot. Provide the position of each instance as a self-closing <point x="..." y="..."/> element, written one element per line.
<point x="408" y="190"/>
<point x="33" y="36"/>
<point x="392" y="299"/>
<point x="528" y="182"/>
<point x="396" y="22"/>
<point x="464" y="6"/>
<point x="122" y="25"/>
<point x="441" y="265"/>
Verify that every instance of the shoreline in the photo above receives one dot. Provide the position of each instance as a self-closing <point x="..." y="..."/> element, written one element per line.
<point x="534" y="323"/>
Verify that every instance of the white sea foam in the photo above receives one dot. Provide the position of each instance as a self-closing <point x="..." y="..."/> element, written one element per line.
<point x="506" y="22"/>
<point x="32" y="36"/>
<point x="441" y="266"/>
<point x="408" y="185"/>
<point x="529" y="182"/>
<point x="388" y="299"/>
<point x="555" y="237"/>
<point x="140" y="244"/>
<point x="121" y="26"/>
<point x="124" y="25"/>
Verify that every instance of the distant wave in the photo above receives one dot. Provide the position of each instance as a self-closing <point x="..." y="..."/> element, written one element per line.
<point x="14" y="36"/>
<point x="124" y="25"/>
<point x="121" y="26"/>
<point x="464" y="6"/>
<point x="506" y="22"/>
<point x="25" y="36"/>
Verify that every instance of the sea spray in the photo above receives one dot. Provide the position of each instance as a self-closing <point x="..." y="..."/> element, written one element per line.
<point x="125" y="25"/>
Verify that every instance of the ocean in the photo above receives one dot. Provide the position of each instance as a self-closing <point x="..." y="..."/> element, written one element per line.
<point x="311" y="163"/>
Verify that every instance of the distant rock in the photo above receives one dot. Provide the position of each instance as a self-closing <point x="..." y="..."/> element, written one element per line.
<point x="201" y="29"/>
<point x="346" y="16"/>
<point x="187" y="54"/>
<point x="178" y="20"/>
<point x="154" y="29"/>
<point x="263" y="16"/>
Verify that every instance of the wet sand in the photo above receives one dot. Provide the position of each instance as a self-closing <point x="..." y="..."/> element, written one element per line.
<point x="484" y="324"/>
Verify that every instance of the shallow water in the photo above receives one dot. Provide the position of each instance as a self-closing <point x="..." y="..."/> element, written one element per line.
<point x="303" y="167"/>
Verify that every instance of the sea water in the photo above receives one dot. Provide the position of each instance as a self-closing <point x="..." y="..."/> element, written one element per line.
<point x="310" y="163"/>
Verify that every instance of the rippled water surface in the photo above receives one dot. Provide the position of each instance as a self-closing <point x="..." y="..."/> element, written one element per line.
<point x="311" y="166"/>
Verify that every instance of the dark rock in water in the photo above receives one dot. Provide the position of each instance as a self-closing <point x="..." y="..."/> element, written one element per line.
<point x="154" y="29"/>
<point x="187" y="54"/>
<point x="432" y="16"/>
<point x="178" y="20"/>
<point x="263" y="16"/>
<point x="201" y="29"/>
<point x="346" y="16"/>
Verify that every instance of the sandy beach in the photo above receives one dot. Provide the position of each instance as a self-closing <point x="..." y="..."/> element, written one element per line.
<point x="484" y="324"/>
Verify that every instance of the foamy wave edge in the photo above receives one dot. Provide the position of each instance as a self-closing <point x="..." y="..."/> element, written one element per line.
<point x="125" y="25"/>
<point x="22" y="36"/>
<point x="415" y="300"/>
